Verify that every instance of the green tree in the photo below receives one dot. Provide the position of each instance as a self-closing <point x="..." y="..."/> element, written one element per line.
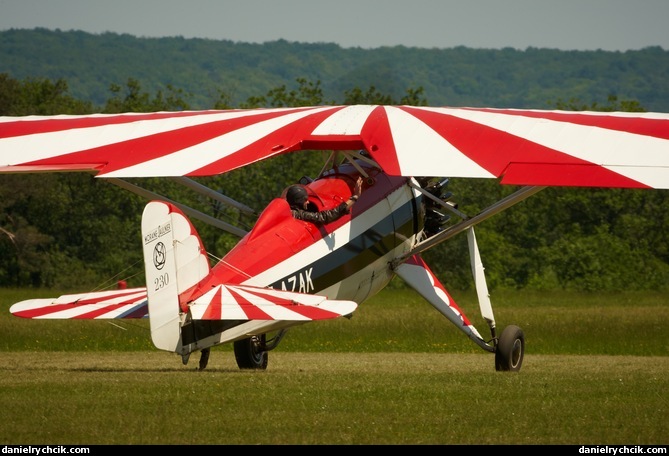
<point x="372" y="96"/>
<point x="612" y="104"/>
<point x="38" y="96"/>
<point x="308" y="93"/>
<point x="136" y="100"/>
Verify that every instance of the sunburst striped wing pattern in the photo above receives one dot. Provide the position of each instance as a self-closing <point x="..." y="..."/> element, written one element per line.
<point x="241" y="302"/>
<point x="128" y="303"/>
<point x="224" y="302"/>
<point x="524" y="147"/>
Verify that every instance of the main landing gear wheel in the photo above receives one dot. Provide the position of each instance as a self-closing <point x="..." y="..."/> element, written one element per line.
<point x="510" y="349"/>
<point x="249" y="352"/>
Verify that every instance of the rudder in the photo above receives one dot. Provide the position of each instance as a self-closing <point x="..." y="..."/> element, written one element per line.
<point x="174" y="261"/>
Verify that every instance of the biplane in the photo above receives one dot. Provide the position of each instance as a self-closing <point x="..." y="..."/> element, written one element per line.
<point x="286" y="272"/>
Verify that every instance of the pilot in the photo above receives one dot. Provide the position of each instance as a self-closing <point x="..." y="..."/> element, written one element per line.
<point x="296" y="195"/>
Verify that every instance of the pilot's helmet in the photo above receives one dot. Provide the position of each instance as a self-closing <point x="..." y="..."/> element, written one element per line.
<point x="296" y="195"/>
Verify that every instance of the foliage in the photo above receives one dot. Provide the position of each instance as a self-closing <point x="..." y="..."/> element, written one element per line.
<point x="134" y="100"/>
<point x="66" y="229"/>
<point x="308" y="93"/>
<point x="458" y="76"/>
<point x="38" y="96"/>
<point x="613" y="104"/>
<point x="413" y="97"/>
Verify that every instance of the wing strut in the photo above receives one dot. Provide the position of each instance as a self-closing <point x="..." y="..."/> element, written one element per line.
<point x="478" y="271"/>
<point x="516" y="197"/>
<point x="208" y="219"/>
<point x="206" y="191"/>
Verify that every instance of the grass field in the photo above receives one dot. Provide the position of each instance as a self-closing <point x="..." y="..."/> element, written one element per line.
<point x="398" y="372"/>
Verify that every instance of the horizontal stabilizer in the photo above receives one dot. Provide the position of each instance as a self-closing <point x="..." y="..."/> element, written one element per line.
<point x="243" y="302"/>
<point x="100" y="305"/>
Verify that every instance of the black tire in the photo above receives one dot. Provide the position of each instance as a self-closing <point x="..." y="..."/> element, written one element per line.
<point x="248" y="353"/>
<point x="510" y="349"/>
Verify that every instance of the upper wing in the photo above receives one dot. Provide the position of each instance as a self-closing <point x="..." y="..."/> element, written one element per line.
<point x="524" y="147"/>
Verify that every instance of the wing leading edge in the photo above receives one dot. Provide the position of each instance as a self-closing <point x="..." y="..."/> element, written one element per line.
<point x="522" y="147"/>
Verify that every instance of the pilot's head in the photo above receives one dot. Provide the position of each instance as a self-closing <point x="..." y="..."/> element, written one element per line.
<point x="296" y="195"/>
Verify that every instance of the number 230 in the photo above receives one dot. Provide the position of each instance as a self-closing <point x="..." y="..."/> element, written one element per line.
<point x="161" y="281"/>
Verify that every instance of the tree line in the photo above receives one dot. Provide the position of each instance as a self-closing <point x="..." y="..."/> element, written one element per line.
<point x="459" y="76"/>
<point x="70" y="230"/>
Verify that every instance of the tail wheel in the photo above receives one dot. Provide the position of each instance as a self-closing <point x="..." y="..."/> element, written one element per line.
<point x="250" y="353"/>
<point x="204" y="358"/>
<point x="510" y="349"/>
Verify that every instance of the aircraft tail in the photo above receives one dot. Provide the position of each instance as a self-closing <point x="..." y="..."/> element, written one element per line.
<point x="174" y="260"/>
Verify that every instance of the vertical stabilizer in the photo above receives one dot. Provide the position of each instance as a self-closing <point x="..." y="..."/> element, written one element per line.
<point x="174" y="261"/>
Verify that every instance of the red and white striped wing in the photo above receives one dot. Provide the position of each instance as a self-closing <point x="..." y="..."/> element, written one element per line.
<point x="129" y="303"/>
<point x="242" y="302"/>
<point x="225" y="302"/>
<point x="525" y="147"/>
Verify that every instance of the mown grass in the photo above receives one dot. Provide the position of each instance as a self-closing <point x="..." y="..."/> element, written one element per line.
<point x="595" y="372"/>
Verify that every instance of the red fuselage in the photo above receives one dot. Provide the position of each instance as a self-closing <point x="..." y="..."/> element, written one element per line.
<point x="346" y="259"/>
